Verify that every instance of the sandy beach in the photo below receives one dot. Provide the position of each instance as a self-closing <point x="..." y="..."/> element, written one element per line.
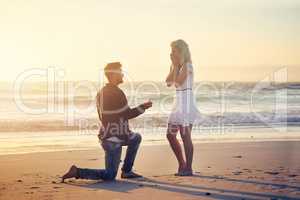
<point x="223" y="75"/>
<point x="245" y="170"/>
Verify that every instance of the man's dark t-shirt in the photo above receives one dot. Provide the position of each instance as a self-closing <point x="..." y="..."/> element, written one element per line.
<point x="114" y="112"/>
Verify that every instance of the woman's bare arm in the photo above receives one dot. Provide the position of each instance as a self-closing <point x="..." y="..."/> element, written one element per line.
<point x="171" y="76"/>
<point x="180" y="78"/>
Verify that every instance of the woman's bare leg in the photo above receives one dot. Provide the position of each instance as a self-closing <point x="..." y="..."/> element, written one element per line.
<point x="175" y="145"/>
<point x="185" y="133"/>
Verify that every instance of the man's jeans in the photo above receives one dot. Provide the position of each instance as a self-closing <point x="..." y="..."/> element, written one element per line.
<point x="113" y="153"/>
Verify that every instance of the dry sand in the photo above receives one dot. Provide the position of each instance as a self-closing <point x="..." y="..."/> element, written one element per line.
<point x="252" y="170"/>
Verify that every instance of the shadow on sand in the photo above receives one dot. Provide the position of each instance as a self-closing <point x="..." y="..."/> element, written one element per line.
<point x="127" y="186"/>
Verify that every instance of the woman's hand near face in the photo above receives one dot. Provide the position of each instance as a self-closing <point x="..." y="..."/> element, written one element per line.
<point x="172" y="58"/>
<point x="174" y="70"/>
<point x="181" y="76"/>
<point x="175" y="61"/>
<point x="170" y="78"/>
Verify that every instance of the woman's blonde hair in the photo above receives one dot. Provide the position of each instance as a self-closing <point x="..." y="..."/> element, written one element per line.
<point x="183" y="49"/>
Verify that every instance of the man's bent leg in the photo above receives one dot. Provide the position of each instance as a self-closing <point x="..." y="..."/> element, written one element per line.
<point x="133" y="146"/>
<point x="112" y="160"/>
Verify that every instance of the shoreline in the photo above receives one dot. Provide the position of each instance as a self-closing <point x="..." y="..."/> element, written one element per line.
<point x="163" y="143"/>
<point x="26" y="143"/>
<point x="157" y="143"/>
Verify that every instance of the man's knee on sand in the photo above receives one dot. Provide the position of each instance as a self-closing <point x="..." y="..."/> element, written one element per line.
<point x="135" y="138"/>
<point x="110" y="175"/>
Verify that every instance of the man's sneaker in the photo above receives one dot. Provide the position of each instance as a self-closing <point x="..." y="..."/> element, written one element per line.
<point x="130" y="175"/>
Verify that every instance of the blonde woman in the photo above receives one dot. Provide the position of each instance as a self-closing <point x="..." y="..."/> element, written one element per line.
<point x="184" y="111"/>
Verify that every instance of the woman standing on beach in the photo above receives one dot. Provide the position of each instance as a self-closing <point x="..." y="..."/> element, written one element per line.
<point x="184" y="111"/>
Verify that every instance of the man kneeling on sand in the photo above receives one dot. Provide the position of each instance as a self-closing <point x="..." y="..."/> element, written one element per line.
<point x="114" y="113"/>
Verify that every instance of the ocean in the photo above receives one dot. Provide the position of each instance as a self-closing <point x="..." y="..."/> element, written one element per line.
<point x="39" y="117"/>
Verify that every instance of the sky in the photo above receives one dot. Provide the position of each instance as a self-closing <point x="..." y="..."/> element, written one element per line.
<point x="230" y="40"/>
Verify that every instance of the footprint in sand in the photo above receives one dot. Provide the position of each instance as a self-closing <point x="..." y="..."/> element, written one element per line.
<point x="237" y="156"/>
<point x="272" y="173"/>
<point x="93" y="159"/>
<point x="34" y="187"/>
<point x="48" y="196"/>
<point x="28" y="192"/>
<point x="237" y="173"/>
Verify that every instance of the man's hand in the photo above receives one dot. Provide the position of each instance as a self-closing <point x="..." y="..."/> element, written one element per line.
<point x="146" y="105"/>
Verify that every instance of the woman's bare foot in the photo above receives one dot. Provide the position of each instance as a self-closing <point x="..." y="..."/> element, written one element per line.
<point x="188" y="171"/>
<point x="181" y="169"/>
<point x="184" y="173"/>
<point x="72" y="173"/>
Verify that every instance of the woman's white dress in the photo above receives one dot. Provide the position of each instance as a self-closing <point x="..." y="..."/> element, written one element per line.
<point x="184" y="111"/>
